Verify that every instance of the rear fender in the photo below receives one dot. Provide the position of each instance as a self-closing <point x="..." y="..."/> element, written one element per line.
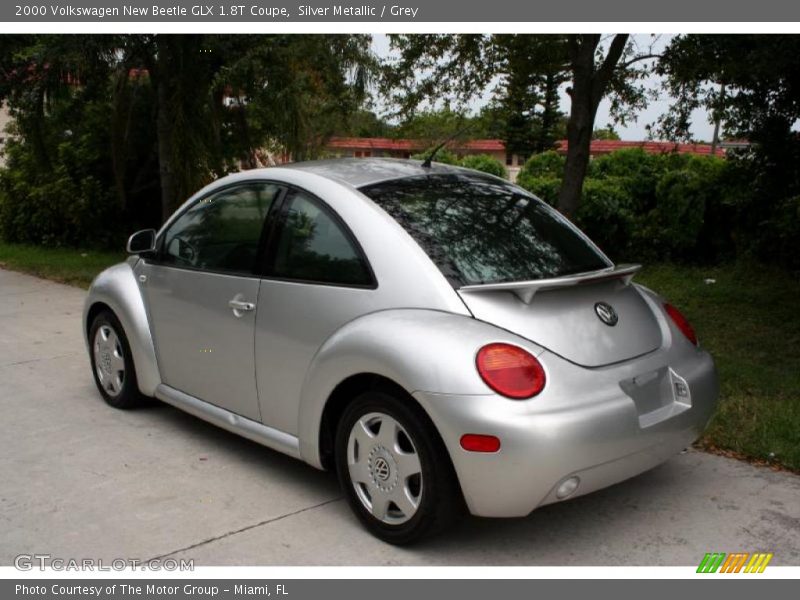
<point x="418" y="349"/>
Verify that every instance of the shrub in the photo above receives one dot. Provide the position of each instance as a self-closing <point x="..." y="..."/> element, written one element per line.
<point x="479" y="162"/>
<point x="484" y="163"/>
<point x="671" y="228"/>
<point x="635" y="170"/>
<point x="443" y="156"/>
<point x="546" y="164"/>
<point x="67" y="209"/>
<point x="779" y="234"/>
<point x="545" y="188"/>
<point x="646" y="207"/>
<point x="58" y="187"/>
<point x="605" y="215"/>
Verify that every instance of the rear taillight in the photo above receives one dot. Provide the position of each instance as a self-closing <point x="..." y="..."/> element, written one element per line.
<point x="510" y="371"/>
<point x="681" y="322"/>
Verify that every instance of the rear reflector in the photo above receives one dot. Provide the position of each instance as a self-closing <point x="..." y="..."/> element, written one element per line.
<point x="510" y="371"/>
<point x="567" y="487"/>
<point x="681" y="322"/>
<point x="474" y="442"/>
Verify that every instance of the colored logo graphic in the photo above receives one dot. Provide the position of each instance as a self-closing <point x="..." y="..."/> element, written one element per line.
<point x="737" y="562"/>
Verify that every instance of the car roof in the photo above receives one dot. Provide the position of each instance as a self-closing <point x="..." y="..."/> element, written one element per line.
<point x="359" y="172"/>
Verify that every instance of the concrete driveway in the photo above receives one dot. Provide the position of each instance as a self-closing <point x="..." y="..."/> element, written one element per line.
<point x="80" y="479"/>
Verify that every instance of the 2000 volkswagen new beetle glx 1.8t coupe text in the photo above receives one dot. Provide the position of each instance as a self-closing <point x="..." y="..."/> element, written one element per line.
<point x="438" y="336"/>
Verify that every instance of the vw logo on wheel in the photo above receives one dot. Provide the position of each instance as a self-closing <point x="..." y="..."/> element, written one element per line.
<point x="381" y="469"/>
<point x="606" y="313"/>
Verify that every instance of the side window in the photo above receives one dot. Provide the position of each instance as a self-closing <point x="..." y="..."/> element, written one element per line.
<point x="312" y="246"/>
<point x="222" y="231"/>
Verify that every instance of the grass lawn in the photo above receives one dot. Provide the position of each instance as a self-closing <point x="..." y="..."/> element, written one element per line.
<point x="749" y="319"/>
<point x="76" y="267"/>
<point x="750" y="322"/>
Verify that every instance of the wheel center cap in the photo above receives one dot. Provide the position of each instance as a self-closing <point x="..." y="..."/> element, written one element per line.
<point x="106" y="360"/>
<point x="382" y="468"/>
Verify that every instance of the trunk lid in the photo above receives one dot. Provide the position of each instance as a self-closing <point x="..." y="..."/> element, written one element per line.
<point x="569" y="315"/>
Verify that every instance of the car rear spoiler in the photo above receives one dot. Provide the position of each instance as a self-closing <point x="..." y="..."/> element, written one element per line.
<point x="526" y="290"/>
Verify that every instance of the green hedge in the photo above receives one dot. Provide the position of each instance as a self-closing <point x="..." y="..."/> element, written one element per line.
<point x="479" y="162"/>
<point x="644" y="207"/>
<point x="67" y="206"/>
<point x="485" y="163"/>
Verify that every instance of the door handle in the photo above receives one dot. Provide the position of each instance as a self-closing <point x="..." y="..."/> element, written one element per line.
<point x="240" y="306"/>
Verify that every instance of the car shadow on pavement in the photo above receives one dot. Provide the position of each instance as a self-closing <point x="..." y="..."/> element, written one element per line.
<point x="589" y="522"/>
<point x="230" y="446"/>
<point x="670" y="515"/>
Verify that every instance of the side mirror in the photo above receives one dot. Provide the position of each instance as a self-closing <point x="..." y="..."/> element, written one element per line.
<point x="142" y="242"/>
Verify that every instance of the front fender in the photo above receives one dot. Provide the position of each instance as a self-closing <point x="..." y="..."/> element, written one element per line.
<point x="117" y="288"/>
<point x="420" y="350"/>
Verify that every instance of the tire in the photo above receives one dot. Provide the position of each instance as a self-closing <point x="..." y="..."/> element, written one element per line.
<point x="395" y="470"/>
<point x="116" y="376"/>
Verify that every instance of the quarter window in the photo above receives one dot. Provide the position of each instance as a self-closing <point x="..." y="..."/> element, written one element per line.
<point x="221" y="232"/>
<point x="313" y="246"/>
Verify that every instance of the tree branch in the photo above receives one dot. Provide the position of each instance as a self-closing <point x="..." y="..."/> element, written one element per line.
<point x="606" y="69"/>
<point x="615" y="51"/>
<point x="639" y="58"/>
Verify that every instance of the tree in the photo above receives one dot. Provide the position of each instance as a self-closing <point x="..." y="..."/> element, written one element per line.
<point x="365" y="123"/>
<point x="592" y="75"/>
<point x="157" y="116"/>
<point x="526" y="71"/>
<point x="605" y="133"/>
<point x="751" y="83"/>
<point x="462" y="66"/>
<point x="489" y="123"/>
<point x="431" y="126"/>
<point x="64" y="174"/>
<point x="528" y="96"/>
<point x="291" y="91"/>
<point x="760" y="73"/>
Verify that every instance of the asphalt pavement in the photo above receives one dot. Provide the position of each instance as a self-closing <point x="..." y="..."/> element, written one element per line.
<point x="79" y="479"/>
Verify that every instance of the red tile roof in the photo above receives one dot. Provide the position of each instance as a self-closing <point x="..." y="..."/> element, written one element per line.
<point x="651" y="147"/>
<point x="360" y="143"/>
<point x="597" y="147"/>
<point x="484" y="145"/>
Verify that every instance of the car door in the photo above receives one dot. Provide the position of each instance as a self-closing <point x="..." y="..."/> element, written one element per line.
<point x="202" y="295"/>
<point x="317" y="279"/>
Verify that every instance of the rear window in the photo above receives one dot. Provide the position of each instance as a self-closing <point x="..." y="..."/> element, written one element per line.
<point x="480" y="230"/>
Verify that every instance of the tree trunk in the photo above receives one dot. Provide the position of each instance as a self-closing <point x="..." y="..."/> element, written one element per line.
<point x="718" y="119"/>
<point x="164" y="134"/>
<point x="589" y="85"/>
<point x="120" y="120"/>
<point x="164" y="131"/>
<point x="217" y="160"/>
<point x="579" y="140"/>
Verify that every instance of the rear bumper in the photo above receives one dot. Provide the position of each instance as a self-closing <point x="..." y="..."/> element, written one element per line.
<point x="600" y="425"/>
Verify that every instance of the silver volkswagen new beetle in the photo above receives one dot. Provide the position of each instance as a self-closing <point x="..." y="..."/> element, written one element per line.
<point x="438" y="336"/>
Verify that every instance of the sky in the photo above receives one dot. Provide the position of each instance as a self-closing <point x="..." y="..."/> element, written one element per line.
<point x="633" y="130"/>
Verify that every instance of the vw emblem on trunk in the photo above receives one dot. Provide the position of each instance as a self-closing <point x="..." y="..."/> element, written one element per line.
<point x="606" y="313"/>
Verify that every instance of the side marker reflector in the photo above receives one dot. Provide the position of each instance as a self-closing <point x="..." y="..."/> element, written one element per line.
<point x="473" y="442"/>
